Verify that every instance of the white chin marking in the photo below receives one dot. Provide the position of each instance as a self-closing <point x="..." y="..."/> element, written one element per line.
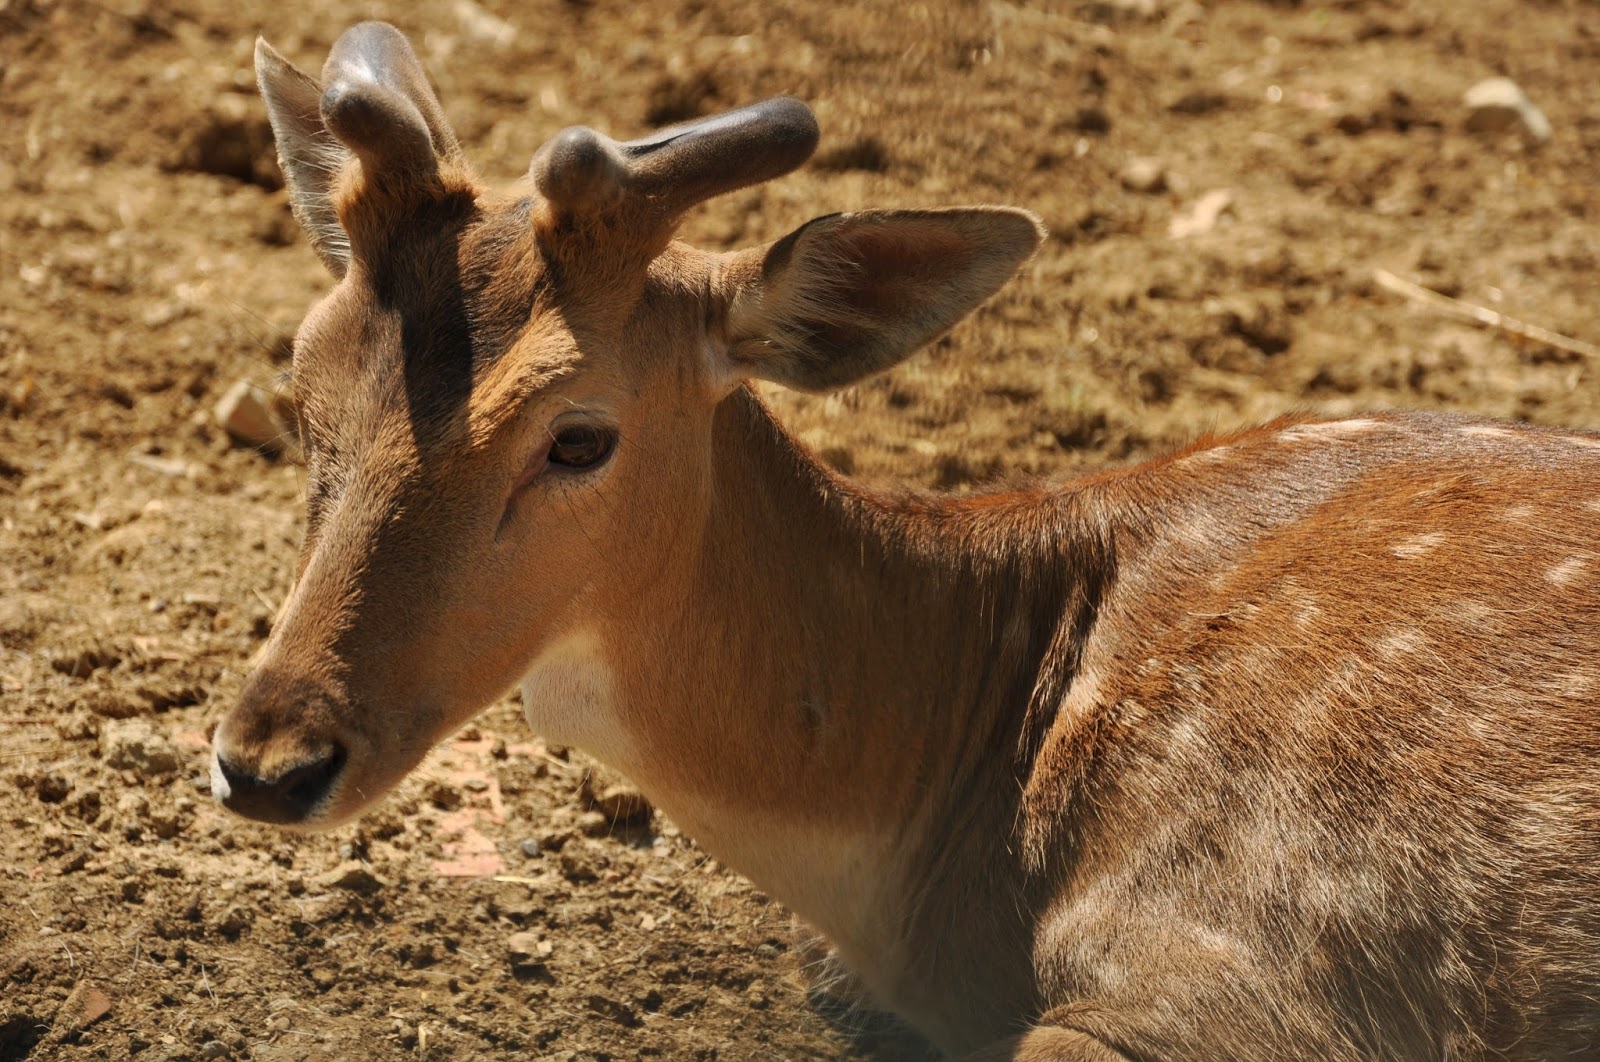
<point x="220" y="790"/>
<point x="569" y="697"/>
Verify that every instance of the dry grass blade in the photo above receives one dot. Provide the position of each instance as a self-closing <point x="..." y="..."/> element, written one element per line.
<point x="1482" y="315"/>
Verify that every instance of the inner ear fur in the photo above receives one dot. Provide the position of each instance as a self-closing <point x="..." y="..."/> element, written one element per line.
<point x="848" y="295"/>
<point x="311" y="156"/>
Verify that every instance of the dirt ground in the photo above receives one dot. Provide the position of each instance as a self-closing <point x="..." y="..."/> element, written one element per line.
<point x="148" y="261"/>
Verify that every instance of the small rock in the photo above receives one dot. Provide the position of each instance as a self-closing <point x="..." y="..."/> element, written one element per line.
<point x="248" y="414"/>
<point x="134" y="745"/>
<point x="528" y="954"/>
<point x="530" y="847"/>
<point x="1143" y="175"/>
<point x="352" y="875"/>
<point x="213" y="1049"/>
<point x="524" y="947"/>
<point x="1203" y="216"/>
<point x="85" y="1006"/>
<point x="1498" y="104"/>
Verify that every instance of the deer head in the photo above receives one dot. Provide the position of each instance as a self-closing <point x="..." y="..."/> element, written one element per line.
<point x="507" y="405"/>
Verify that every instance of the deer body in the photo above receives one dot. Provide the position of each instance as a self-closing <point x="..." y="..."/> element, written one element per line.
<point x="1280" y="747"/>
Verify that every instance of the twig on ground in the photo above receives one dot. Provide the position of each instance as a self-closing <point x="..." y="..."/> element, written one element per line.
<point x="1483" y="315"/>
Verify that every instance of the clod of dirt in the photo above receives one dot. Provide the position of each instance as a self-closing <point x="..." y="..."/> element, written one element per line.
<point x="1498" y="104"/>
<point x="82" y="660"/>
<point x="622" y="805"/>
<point x="866" y="153"/>
<point x="134" y="745"/>
<point x="1198" y="101"/>
<point x="109" y="704"/>
<point x="616" y="1010"/>
<point x="1262" y="320"/>
<point x="1143" y="175"/>
<point x="231" y="139"/>
<point x="353" y="875"/>
<point x="53" y="788"/>
<point x="443" y="795"/>
<point x="163" y="694"/>
<point x="234" y="921"/>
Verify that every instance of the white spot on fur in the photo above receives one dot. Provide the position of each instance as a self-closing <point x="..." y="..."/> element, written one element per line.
<point x="1083" y="695"/>
<point x="1417" y="545"/>
<point x="1518" y="513"/>
<point x="1402" y="641"/>
<point x="569" y="696"/>
<point x="1574" y="684"/>
<point x="1487" y="431"/>
<point x="1333" y="429"/>
<point x="1582" y="440"/>
<point x="1593" y="505"/>
<point x="1475" y="614"/>
<point x="1306" y="612"/>
<point x="1565" y="572"/>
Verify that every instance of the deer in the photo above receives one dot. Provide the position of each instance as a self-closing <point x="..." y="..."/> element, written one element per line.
<point x="1284" y="745"/>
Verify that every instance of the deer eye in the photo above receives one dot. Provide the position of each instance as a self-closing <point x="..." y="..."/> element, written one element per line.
<point x="582" y="446"/>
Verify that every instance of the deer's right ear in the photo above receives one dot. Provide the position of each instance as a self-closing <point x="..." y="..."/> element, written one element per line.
<point x="310" y="155"/>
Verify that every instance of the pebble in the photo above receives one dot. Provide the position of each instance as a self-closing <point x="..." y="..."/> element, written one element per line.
<point x="1203" y="216"/>
<point x="530" y="847"/>
<point x="134" y="745"/>
<point x="1143" y="175"/>
<point x="246" y="412"/>
<point x="1498" y="104"/>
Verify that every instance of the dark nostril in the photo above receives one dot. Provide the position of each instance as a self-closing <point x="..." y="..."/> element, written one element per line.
<point x="289" y="797"/>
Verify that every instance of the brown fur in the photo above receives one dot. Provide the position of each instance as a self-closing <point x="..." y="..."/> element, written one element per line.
<point x="1281" y="747"/>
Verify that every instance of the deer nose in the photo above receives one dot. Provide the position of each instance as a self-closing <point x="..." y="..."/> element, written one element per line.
<point x="289" y="797"/>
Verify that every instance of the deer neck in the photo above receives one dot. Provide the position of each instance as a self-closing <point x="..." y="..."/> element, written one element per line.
<point x="834" y="698"/>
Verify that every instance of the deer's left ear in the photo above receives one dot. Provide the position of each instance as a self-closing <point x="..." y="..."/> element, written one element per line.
<point x="849" y="295"/>
<point x="311" y="156"/>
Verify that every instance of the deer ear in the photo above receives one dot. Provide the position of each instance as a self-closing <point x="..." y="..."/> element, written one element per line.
<point x="849" y="295"/>
<point x="310" y="155"/>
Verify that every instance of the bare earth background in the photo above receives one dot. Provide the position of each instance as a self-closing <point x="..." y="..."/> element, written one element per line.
<point x="148" y="261"/>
